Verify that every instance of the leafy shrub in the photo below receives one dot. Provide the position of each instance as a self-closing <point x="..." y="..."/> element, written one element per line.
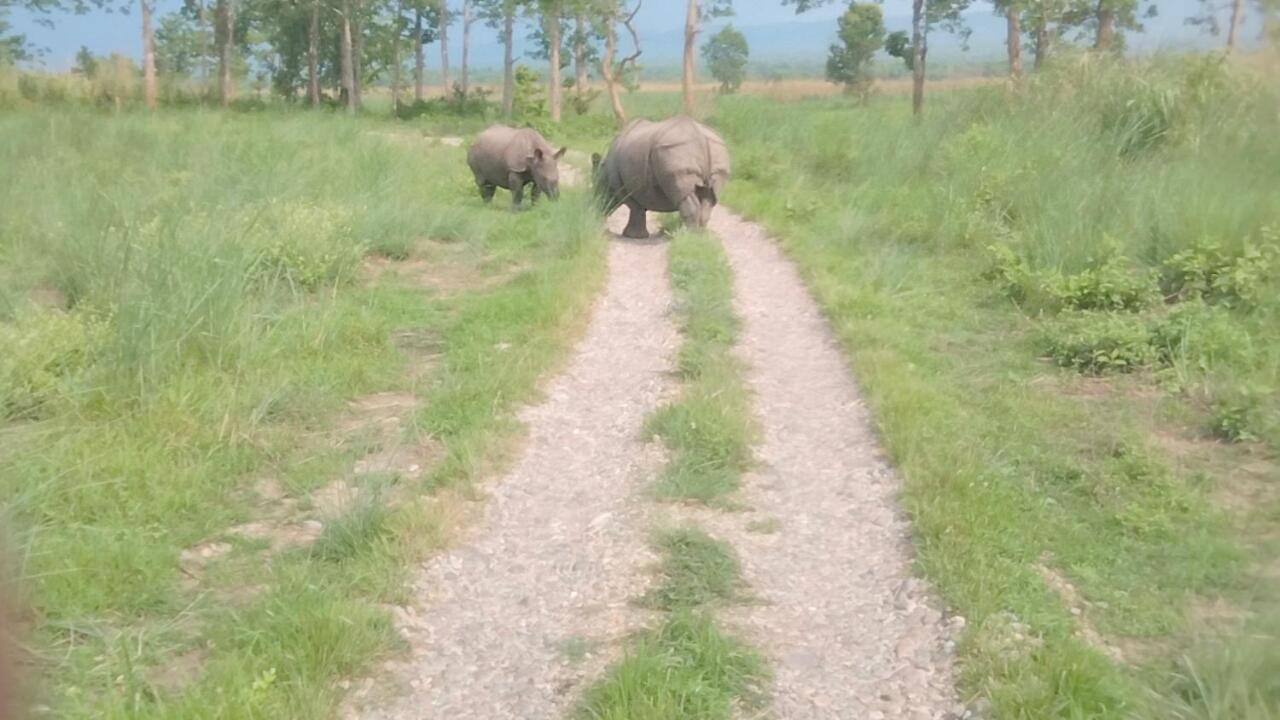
<point x="1110" y="285"/>
<point x="1208" y="272"/>
<point x="1234" y="419"/>
<point x="306" y="244"/>
<point x="1199" y="336"/>
<point x="43" y="350"/>
<point x="1099" y="342"/>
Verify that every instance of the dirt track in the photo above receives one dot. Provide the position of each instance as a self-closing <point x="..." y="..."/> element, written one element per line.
<point x="560" y="548"/>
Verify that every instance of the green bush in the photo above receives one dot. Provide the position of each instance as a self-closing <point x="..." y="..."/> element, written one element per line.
<point x="1236" y="418"/>
<point x="1209" y="272"/>
<point x="1200" y="336"/>
<point x="43" y="351"/>
<point x="304" y="243"/>
<point x="1113" y="284"/>
<point x="1099" y="342"/>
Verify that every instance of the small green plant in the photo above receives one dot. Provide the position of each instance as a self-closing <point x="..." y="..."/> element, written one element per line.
<point x="1109" y="285"/>
<point x="44" y="350"/>
<point x="1098" y="343"/>
<point x="1207" y="271"/>
<point x="1234" y="419"/>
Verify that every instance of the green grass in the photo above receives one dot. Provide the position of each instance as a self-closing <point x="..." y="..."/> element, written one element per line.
<point x="697" y="570"/>
<point x="1010" y="463"/>
<point x="688" y="668"/>
<point x="709" y="428"/>
<point x="210" y="323"/>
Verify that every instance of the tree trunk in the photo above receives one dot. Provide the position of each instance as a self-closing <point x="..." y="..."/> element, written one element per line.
<point x="345" y="59"/>
<point x="1041" y="41"/>
<point x="313" y="55"/>
<point x="1013" y="20"/>
<point x="553" y="79"/>
<point x="466" y="46"/>
<point x="204" y="48"/>
<point x="690" y="36"/>
<point x="227" y="16"/>
<point x="418" y="60"/>
<point x="1237" y="14"/>
<point x="508" y="62"/>
<point x="444" y="48"/>
<point x="606" y="72"/>
<point x="357" y="56"/>
<point x="396" y="36"/>
<point x="918" y="53"/>
<point x="1106" y="26"/>
<point x="579" y="53"/>
<point x="148" y="57"/>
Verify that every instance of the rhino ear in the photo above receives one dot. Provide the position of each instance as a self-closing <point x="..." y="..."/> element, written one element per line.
<point x="595" y="160"/>
<point x="561" y="153"/>
<point x="538" y="155"/>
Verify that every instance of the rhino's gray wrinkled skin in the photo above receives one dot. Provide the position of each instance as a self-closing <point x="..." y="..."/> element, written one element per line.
<point x="506" y="157"/>
<point x="673" y="165"/>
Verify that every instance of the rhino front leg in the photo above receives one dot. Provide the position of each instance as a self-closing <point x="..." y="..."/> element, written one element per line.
<point x="516" y="181"/>
<point x="637" y="225"/>
<point x="691" y="212"/>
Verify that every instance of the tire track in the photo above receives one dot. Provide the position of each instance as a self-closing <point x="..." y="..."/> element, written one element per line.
<point x="559" y="548"/>
<point x="851" y="633"/>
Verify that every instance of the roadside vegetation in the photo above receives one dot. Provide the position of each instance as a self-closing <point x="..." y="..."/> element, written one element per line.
<point x="1062" y="304"/>
<point x="237" y="377"/>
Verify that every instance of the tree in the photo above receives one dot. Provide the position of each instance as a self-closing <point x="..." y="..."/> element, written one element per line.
<point x="1208" y="19"/>
<point x="695" y="13"/>
<point x="443" y="8"/>
<point x="726" y="55"/>
<point x="612" y="71"/>
<point x="501" y="14"/>
<point x="148" y="57"/>
<point x="1112" y="16"/>
<point x="550" y="10"/>
<point x="224" y="38"/>
<point x="861" y="35"/>
<point x="467" y="19"/>
<point x="1012" y="11"/>
<point x="346" y="59"/>
<point x="925" y="16"/>
<point x="86" y="64"/>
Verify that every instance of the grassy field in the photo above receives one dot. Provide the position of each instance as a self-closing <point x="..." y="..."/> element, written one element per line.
<point x="244" y="355"/>
<point x="1062" y="304"/>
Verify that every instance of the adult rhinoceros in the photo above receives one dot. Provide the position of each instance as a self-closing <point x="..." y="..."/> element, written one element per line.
<point x="674" y="165"/>
<point x="511" y="158"/>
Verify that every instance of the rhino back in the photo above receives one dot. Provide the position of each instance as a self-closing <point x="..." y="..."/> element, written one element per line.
<point x="630" y="169"/>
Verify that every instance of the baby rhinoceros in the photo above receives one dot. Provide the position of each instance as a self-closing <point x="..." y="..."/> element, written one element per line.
<point x="507" y="157"/>
<point x="677" y="164"/>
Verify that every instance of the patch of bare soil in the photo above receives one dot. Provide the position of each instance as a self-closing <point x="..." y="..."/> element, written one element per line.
<point x="852" y="633"/>
<point x="558" y="549"/>
<point x="179" y="671"/>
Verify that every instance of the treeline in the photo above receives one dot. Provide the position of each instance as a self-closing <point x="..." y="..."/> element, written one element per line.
<point x="330" y="51"/>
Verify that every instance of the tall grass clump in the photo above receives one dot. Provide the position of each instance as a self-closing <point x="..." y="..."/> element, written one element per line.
<point x="1089" y="218"/>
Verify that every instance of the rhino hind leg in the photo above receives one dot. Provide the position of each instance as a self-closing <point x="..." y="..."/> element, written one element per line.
<point x="637" y="224"/>
<point x="486" y="191"/>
